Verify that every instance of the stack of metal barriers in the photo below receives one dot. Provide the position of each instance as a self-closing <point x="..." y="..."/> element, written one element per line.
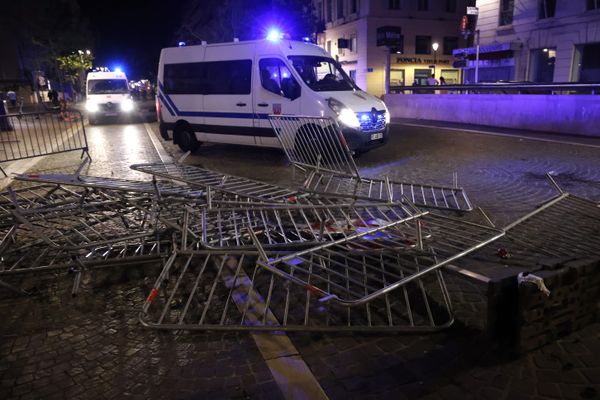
<point x="240" y="254"/>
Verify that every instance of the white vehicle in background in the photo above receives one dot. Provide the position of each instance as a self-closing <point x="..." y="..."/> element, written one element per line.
<point x="107" y="96"/>
<point x="225" y="92"/>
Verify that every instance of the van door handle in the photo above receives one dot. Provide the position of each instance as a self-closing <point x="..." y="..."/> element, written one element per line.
<point x="241" y="104"/>
<point x="263" y="104"/>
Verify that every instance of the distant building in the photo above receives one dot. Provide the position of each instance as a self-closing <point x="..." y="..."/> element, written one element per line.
<point x="537" y="40"/>
<point x="422" y="23"/>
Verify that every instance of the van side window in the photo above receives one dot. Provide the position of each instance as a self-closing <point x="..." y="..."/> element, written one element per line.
<point x="228" y="77"/>
<point x="215" y="77"/>
<point x="185" y="78"/>
<point x="275" y="77"/>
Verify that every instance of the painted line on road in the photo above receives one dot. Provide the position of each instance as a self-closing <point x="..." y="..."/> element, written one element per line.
<point x="18" y="167"/>
<point x="497" y="134"/>
<point x="160" y="149"/>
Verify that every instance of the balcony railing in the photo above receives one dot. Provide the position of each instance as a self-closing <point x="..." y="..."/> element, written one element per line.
<point x="502" y="88"/>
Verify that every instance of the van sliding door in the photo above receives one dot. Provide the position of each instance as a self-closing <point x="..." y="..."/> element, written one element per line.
<point x="228" y="114"/>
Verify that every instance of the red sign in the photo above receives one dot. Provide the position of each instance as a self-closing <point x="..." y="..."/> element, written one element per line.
<point x="464" y="23"/>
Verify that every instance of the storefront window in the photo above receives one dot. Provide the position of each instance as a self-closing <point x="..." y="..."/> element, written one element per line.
<point x="542" y="64"/>
<point x="450" y="76"/>
<point x="587" y="63"/>
<point x="396" y="77"/>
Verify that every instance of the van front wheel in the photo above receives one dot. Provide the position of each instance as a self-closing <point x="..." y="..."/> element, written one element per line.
<point x="186" y="139"/>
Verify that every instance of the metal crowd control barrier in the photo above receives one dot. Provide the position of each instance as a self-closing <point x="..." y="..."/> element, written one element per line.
<point x="290" y="226"/>
<point x="223" y="188"/>
<point x="369" y="264"/>
<point x="565" y="226"/>
<point x="127" y="185"/>
<point x="317" y="146"/>
<point x="38" y="134"/>
<point x="205" y="178"/>
<point x="55" y="229"/>
<point x="228" y="290"/>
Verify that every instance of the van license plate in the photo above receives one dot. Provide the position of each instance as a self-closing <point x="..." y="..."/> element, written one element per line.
<point x="377" y="136"/>
<point x="115" y="114"/>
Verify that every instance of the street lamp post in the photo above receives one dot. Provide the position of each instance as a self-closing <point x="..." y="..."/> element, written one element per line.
<point x="435" y="46"/>
<point x="82" y="72"/>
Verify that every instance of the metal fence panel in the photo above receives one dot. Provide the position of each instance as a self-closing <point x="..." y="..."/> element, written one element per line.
<point x="38" y="134"/>
<point x="229" y="291"/>
<point x="317" y="146"/>
<point x="371" y="263"/>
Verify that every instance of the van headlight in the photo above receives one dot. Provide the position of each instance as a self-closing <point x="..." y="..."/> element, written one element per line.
<point x="91" y="106"/>
<point x="127" y="105"/>
<point x="388" y="117"/>
<point x="345" y="115"/>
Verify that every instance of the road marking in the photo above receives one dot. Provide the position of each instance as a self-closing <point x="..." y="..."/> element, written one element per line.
<point x="497" y="134"/>
<point x="160" y="149"/>
<point x="18" y="167"/>
<point x="290" y="372"/>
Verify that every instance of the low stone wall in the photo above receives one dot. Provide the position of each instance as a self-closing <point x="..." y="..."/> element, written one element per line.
<point x="520" y="318"/>
<point x="572" y="304"/>
<point x="574" y="114"/>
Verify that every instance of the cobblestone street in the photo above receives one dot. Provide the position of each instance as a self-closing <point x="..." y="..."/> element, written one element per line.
<point x="92" y="346"/>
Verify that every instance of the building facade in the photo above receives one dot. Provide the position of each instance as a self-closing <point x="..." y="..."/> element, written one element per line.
<point x="422" y="23"/>
<point x="538" y="41"/>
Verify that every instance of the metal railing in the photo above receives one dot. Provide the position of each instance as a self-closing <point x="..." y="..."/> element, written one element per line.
<point x="502" y="88"/>
<point x="317" y="146"/>
<point x="28" y="135"/>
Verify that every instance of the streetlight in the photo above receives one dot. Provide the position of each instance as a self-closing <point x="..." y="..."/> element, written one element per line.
<point x="88" y="53"/>
<point x="435" y="46"/>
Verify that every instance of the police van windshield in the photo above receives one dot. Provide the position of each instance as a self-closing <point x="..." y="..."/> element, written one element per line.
<point x="322" y="74"/>
<point x="105" y="86"/>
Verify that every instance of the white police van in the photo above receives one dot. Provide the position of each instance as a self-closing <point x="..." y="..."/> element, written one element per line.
<point x="224" y="93"/>
<point x="107" y="95"/>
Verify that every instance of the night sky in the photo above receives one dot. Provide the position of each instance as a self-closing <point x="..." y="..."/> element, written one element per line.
<point x="130" y="33"/>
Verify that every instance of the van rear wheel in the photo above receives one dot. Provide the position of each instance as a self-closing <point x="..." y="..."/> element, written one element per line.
<point x="186" y="139"/>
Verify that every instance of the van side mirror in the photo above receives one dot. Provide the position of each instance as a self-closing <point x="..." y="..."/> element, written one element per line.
<point x="290" y="88"/>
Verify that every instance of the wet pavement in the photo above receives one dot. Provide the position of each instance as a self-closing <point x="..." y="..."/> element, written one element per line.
<point x="91" y="346"/>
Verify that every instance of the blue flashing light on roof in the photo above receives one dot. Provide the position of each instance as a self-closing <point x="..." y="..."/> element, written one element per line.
<point x="118" y="69"/>
<point x="306" y="39"/>
<point x="181" y="44"/>
<point x="274" y="35"/>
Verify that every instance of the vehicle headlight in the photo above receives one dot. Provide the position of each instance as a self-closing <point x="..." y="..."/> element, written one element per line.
<point x="127" y="105"/>
<point x="345" y="115"/>
<point x="388" y="117"/>
<point x="91" y="106"/>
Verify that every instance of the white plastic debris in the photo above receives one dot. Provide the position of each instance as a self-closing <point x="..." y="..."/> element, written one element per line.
<point x="526" y="277"/>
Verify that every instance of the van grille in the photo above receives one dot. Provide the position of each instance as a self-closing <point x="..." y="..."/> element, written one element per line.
<point x="370" y="122"/>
